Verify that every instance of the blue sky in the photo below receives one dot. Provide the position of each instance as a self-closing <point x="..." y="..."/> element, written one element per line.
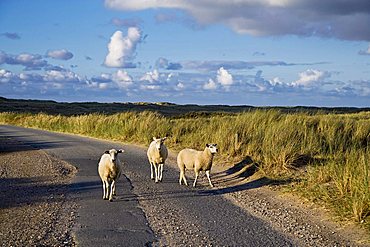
<point x="242" y="52"/>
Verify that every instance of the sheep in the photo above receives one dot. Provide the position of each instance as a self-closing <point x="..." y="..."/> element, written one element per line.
<point x="196" y="160"/>
<point x="109" y="169"/>
<point x="157" y="154"/>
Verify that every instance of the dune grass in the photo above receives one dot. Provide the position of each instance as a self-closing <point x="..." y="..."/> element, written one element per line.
<point x="328" y="153"/>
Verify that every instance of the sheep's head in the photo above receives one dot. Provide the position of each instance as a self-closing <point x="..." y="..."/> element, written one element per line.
<point x="113" y="153"/>
<point x="159" y="142"/>
<point x="212" y="148"/>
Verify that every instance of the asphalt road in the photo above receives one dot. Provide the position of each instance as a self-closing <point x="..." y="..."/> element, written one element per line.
<point x="184" y="216"/>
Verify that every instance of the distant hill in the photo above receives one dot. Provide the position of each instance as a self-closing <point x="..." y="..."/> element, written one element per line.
<point x="165" y="108"/>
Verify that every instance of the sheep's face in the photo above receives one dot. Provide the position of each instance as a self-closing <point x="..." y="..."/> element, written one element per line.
<point x="159" y="142"/>
<point x="212" y="148"/>
<point x="113" y="154"/>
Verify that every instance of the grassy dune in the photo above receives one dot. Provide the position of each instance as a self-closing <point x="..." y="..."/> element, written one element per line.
<point x="326" y="154"/>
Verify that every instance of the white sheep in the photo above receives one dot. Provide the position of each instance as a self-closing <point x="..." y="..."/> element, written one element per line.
<point x="109" y="169"/>
<point x="197" y="161"/>
<point x="157" y="155"/>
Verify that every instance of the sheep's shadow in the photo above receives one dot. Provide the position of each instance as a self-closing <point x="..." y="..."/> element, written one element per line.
<point x="237" y="167"/>
<point x="261" y="182"/>
<point x="237" y="172"/>
<point x="237" y="176"/>
<point x="190" y="192"/>
<point x="16" y="192"/>
<point x="8" y="145"/>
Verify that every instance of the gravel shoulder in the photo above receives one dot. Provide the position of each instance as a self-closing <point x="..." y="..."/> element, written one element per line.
<point x="34" y="207"/>
<point x="309" y="224"/>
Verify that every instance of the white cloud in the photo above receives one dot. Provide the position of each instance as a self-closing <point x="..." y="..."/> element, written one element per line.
<point x="122" y="79"/>
<point x="59" y="54"/>
<point x="101" y="82"/>
<point x="49" y="83"/>
<point x="224" y="77"/>
<point x="169" y="77"/>
<point x="166" y="17"/>
<point x="92" y="84"/>
<point x="30" y="61"/>
<point x="25" y="58"/>
<point x="260" y="83"/>
<point x="143" y="4"/>
<point x="61" y="76"/>
<point x="151" y="76"/>
<point x="275" y="81"/>
<point x="311" y="77"/>
<point x="122" y="49"/>
<point x="105" y="76"/>
<point x="150" y="87"/>
<point x="54" y="85"/>
<point x="163" y="63"/>
<point x="5" y="76"/>
<point x="214" y="65"/>
<point x="103" y="85"/>
<point x="365" y="52"/>
<point x="330" y="18"/>
<point x="210" y="85"/>
<point x="180" y="86"/>
<point x="354" y="88"/>
<point x="26" y="77"/>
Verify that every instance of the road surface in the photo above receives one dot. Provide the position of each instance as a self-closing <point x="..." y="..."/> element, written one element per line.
<point x="145" y="213"/>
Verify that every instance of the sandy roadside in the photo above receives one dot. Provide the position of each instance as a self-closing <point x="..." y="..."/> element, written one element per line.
<point x="34" y="208"/>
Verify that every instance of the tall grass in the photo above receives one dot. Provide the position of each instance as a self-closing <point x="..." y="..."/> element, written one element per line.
<point x="333" y="149"/>
<point x="344" y="183"/>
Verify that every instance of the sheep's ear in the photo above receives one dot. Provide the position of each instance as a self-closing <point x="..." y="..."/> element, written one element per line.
<point x="106" y="152"/>
<point x="120" y="151"/>
<point x="207" y="145"/>
<point x="215" y="144"/>
<point x="154" y="138"/>
<point x="164" y="138"/>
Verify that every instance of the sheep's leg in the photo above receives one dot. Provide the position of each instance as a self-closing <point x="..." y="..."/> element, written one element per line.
<point x="160" y="172"/>
<point x="185" y="182"/>
<point x="103" y="189"/>
<point x="114" y="188"/>
<point x="182" y="177"/>
<point x="106" y="190"/>
<point x="181" y="174"/>
<point x="209" y="179"/>
<point x="151" y="170"/>
<point x="111" y="190"/>
<point x="156" y="173"/>
<point x="196" y="177"/>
